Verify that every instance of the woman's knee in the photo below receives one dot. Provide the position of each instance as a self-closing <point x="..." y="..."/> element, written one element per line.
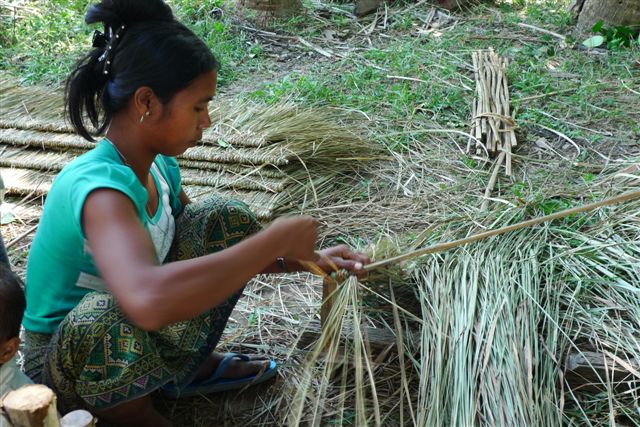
<point x="240" y="218"/>
<point x="211" y="225"/>
<point x="85" y="327"/>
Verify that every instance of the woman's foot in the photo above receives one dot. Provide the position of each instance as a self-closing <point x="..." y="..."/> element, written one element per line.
<point x="237" y="368"/>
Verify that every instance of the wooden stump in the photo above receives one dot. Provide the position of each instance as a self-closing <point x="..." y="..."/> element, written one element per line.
<point x="612" y="12"/>
<point x="32" y="405"/>
<point x="268" y="11"/>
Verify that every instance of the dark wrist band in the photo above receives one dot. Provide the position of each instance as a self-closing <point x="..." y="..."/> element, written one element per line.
<point x="282" y="264"/>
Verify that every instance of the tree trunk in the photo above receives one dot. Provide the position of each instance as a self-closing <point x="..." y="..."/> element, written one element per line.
<point x="612" y="12"/>
<point x="268" y="11"/>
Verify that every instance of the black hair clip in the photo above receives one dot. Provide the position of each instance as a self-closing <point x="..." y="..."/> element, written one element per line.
<point x="108" y="43"/>
<point x="99" y="40"/>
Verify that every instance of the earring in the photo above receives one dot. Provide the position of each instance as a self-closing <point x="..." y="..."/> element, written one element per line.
<point x="143" y="116"/>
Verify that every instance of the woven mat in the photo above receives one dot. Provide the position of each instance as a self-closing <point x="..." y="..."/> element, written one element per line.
<point x="265" y="156"/>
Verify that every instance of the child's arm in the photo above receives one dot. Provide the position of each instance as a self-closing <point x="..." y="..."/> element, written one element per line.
<point x="184" y="199"/>
<point x="153" y="295"/>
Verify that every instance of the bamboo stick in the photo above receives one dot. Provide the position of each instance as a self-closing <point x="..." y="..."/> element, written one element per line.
<point x="483" y="104"/>
<point x="492" y="181"/>
<point x="440" y="247"/>
<point x="329" y="286"/>
<point x="477" y="104"/>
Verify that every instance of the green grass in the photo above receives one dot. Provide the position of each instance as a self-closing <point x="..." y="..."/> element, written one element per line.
<point x="42" y="43"/>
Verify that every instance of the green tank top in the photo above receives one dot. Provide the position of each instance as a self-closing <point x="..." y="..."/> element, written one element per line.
<point x="60" y="268"/>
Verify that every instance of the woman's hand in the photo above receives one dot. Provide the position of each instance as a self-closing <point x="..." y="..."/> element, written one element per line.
<point x="343" y="257"/>
<point x="296" y="236"/>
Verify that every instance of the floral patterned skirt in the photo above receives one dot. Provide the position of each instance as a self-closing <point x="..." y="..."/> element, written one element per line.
<point x="99" y="359"/>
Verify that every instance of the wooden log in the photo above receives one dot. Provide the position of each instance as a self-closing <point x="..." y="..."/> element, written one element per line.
<point x="377" y="339"/>
<point x="594" y="372"/>
<point x="365" y="7"/>
<point x="32" y="405"/>
<point x="451" y="4"/>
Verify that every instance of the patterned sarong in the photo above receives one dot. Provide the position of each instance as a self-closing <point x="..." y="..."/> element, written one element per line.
<point x="98" y="359"/>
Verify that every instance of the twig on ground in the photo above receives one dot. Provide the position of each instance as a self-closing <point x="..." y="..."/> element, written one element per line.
<point x="21" y="236"/>
<point x="542" y="30"/>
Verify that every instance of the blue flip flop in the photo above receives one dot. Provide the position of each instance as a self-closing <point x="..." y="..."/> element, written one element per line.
<point x="215" y="383"/>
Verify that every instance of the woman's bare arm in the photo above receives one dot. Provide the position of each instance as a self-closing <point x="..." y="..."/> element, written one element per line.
<point x="153" y="295"/>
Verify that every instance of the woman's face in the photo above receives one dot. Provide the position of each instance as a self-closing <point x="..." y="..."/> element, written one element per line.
<point x="186" y="116"/>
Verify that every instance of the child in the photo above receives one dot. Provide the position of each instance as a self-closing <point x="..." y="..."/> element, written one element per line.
<point x="130" y="283"/>
<point x="12" y="304"/>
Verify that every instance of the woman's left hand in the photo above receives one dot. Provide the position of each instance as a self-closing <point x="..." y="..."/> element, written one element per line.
<point x="344" y="258"/>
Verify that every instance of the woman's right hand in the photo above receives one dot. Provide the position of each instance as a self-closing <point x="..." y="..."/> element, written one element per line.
<point x="298" y="237"/>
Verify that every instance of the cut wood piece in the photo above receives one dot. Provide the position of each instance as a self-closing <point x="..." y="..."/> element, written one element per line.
<point x="594" y="371"/>
<point x="32" y="405"/>
<point x="379" y="340"/>
<point x="79" y="418"/>
<point x="265" y="13"/>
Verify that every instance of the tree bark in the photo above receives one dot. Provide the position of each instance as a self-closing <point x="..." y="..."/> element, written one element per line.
<point x="612" y="12"/>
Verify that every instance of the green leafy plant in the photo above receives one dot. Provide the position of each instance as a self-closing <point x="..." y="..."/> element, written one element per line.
<point x="615" y="37"/>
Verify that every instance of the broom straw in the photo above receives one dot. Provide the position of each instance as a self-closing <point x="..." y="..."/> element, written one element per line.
<point x="440" y="247"/>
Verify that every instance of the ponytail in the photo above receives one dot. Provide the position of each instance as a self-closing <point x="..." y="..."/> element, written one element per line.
<point x="83" y="91"/>
<point x="142" y="45"/>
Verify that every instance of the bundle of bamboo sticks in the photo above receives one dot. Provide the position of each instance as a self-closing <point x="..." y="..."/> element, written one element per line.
<point x="492" y="125"/>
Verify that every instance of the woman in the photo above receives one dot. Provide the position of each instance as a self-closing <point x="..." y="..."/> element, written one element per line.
<point x="129" y="284"/>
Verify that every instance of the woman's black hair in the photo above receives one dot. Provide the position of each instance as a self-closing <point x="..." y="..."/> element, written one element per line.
<point x="151" y="49"/>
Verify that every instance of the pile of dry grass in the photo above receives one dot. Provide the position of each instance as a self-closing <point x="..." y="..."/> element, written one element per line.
<point x="536" y="327"/>
<point x="499" y="322"/>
